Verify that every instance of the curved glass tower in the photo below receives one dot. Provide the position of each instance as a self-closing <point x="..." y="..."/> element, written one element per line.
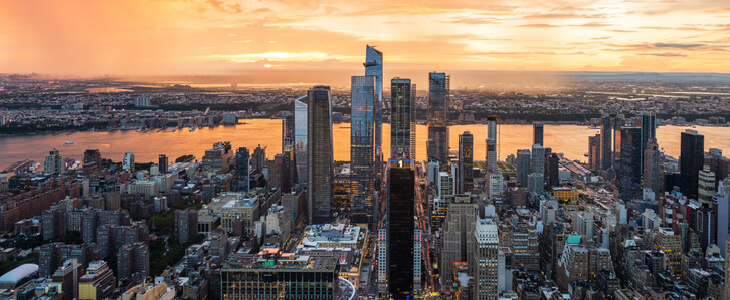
<point x="362" y="150"/>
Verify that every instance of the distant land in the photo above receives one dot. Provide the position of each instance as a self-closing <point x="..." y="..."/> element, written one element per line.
<point x="459" y="78"/>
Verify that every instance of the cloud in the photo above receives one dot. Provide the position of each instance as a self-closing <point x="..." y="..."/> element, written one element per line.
<point x="620" y="30"/>
<point x="261" y="10"/>
<point x="666" y="54"/>
<point x="651" y="1"/>
<point x="601" y="38"/>
<point x="592" y="24"/>
<point x="565" y="16"/>
<point x="538" y="25"/>
<point x="678" y="45"/>
<point x="222" y="6"/>
<point x="471" y="20"/>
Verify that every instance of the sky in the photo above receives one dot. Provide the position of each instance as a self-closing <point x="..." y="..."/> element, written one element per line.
<point x="165" y="37"/>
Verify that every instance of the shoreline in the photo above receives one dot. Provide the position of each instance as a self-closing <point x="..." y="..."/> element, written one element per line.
<point x="420" y="122"/>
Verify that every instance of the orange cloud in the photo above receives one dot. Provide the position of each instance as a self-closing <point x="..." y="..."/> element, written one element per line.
<point x="213" y="36"/>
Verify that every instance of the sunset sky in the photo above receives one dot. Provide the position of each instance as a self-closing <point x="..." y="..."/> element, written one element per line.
<point x="160" y="37"/>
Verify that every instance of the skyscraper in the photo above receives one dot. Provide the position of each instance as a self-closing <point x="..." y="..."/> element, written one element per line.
<point x="594" y="152"/>
<point x="485" y="267"/>
<point x="466" y="162"/>
<point x="706" y="185"/>
<point x="537" y="133"/>
<point x="652" y="172"/>
<point x="242" y="169"/>
<point x="648" y="131"/>
<point x="538" y="159"/>
<point x="128" y="163"/>
<point x="691" y="161"/>
<point x="401" y="195"/>
<point x="54" y="163"/>
<point x="553" y="170"/>
<point x="300" y="136"/>
<point x="438" y="104"/>
<point x="287" y="135"/>
<point x="319" y="155"/>
<point x="458" y="232"/>
<point x="374" y="67"/>
<point x="606" y="155"/>
<point x="492" y="143"/>
<point x="362" y="150"/>
<point x="523" y="166"/>
<point x="628" y="169"/>
<point x="402" y="129"/>
<point x="258" y="159"/>
<point x="162" y="163"/>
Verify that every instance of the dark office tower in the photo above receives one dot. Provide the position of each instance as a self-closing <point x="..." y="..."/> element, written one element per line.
<point x="691" y="161"/>
<point x="258" y="160"/>
<point x="242" y="169"/>
<point x="524" y="160"/>
<point x="537" y="133"/>
<point x="652" y="172"/>
<point x="300" y="137"/>
<point x="401" y="181"/>
<point x="290" y="170"/>
<point x="466" y="162"/>
<point x="594" y="152"/>
<point x="553" y="170"/>
<point x="402" y="127"/>
<point x="492" y="143"/>
<point x="438" y="105"/>
<point x="648" y="131"/>
<point x="362" y="150"/>
<point x="287" y="134"/>
<point x="374" y="67"/>
<point x="606" y="155"/>
<point x="319" y="155"/>
<point x="628" y="166"/>
<point x="163" y="163"/>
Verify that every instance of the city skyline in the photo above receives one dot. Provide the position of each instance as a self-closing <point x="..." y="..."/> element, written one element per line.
<point x="218" y="36"/>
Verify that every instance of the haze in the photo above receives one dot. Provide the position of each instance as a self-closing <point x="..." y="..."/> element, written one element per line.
<point x="166" y="37"/>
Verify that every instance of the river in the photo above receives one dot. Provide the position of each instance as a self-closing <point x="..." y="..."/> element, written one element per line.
<point x="571" y="140"/>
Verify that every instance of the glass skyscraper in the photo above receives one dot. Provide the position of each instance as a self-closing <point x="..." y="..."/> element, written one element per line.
<point x="402" y="129"/>
<point x="466" y="162"/>
<point x="648" y="131"/>
<point x="438" y="135"/>
<point x="374" y="67"/>
<point x="242" y="169"/>
<point x="401" y="213"/>
<point x="362" y="150"/>
<point x="300" y="137"/>
<point x="628" y="169"/>
<point x="319" y="155"/>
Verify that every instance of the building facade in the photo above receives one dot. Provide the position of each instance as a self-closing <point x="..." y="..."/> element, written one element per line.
<point x="319" y="155"/>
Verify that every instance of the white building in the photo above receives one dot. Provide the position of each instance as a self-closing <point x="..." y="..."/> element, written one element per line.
<point x="128" y="163"/>
<point x="142" y="101"/>
<point x="495" y="184"/>
<point x="485" y="269"/>
<point x="54" y="163"/>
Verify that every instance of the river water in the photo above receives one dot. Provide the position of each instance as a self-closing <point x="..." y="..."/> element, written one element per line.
<point x="572" y="140"/>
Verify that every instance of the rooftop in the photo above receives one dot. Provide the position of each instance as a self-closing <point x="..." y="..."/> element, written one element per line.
<point x="15" y="275"/>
